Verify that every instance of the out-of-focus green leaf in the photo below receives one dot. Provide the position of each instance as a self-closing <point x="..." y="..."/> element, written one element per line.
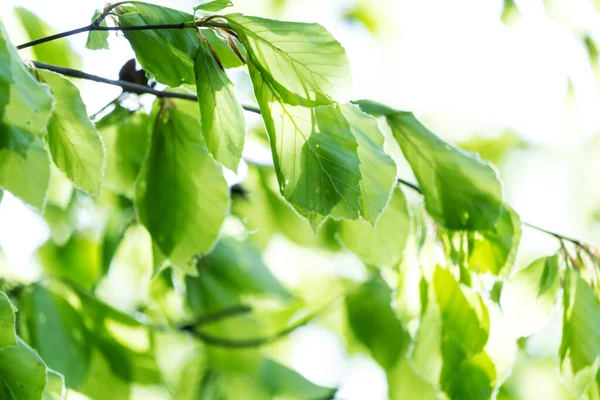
<point x="73" y="140"/>
<point x="8" y="335"/>
<point x="68" y="327"/>
<point x="494" y="149"/>
<point x="364" y="12"/>
<point x="77" y="261"/>
<point x="23" y="373"/>
<point x="26" y="177"/>
<point x="29" y="103"/>
<point x="406" y="383"/>
<point x="529" y="297"/>
<point x="57" y="52"/>
<point x="375" y="323"/>
<point x="97" y="40"/>
<point x="283" y="382"/>
<point x="495" y="250"/>
<point x="382" y="244"/>
<point x="581" y="323"/>
<point x="223" y="124"/>
<point x="239" y="266"/>
<point x="181" y="195"/>
<point x="461" y="192"/>
<point x="125" y="135"/>
<point x="509" y="11"/>
<point x="302" y="63"/>
<point x="213" y="5"/>
<point x="329" y="160"/>
<point x="168" y="54"/>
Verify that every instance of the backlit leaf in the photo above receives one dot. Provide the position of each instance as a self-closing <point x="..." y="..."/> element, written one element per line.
<point x="97" y="40"/>
<point x="8" y="335"/>
<point x="73" y="140"/>
<point x="22" y="373"/>
<point x="213" y="5"/>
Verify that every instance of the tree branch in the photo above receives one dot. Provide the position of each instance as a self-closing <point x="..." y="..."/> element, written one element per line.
<point x="128" y="86"/>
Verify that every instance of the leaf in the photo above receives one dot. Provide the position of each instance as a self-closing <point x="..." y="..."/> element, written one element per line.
<point x="461" y="191"/>
<point x="375" y="323"/>
<point x="382" y="244"/>
<point x="181" y="196"/>
<point x="302" y="62"/>
<point x="23" y="373"/>
<point x="283" y="382"/>
<point x="406" y="383"/>
<point x="55" y="386"/>
<point x="495" y="250"/>
<point x="57" y="52"/>
<point x="223" y="124"/>
<point x="581" y="323"/>
<point x="213" y="5"/>
<point x="6" y="78"/>
<point x="329" y="160"/>
<point x="126" y="136"/>
<point x="26" y="177"/>
<point x="73" y="140"/>
<point x="8" y="335"/>
<point x="239" y="266"/>
<point x="97" y="40"/>
<point x="218" y="40"/>
<point x="168" y="54"/>
<point x="529" y="297"/>
<point x="29" y="103"/>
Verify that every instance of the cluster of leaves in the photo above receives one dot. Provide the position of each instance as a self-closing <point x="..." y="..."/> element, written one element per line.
<point x="156" y="181"/>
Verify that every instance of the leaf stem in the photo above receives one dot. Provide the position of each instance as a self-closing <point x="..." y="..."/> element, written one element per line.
<point x="128" y="86"/>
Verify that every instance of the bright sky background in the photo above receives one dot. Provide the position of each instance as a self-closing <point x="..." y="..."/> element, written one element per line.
<point x="462" y="71"/>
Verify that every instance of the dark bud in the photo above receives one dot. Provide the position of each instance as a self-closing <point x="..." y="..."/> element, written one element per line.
<point x="129" y="73"/>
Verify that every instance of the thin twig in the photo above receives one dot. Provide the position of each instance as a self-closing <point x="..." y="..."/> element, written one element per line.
<point x="129" y="86"/>
<point x="215" y="317"/>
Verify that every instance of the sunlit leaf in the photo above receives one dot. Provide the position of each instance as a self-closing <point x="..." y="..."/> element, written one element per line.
<point x="97" y="40"/>
<point x="213" y="5"/>
<point x="73" y="140"/>
<point x="406" y="383"/>
<point x="302" y="62"/>
<point x="581" y="323"/>
<point x="55" y="386"/>
<point x="29" y="103"/>
<point x="375" y="323"/>
<point x="495" y="250"/>
<point x="281" y="381"/>
<point x="223" y="124"/>
<point x="181" y="195"/>
<point x="461" y="191"/>
<point x="168" y="54"/>
<point x="219" y="42"/>
<point x="57" y="52"/>
<point x="329" y="160"/>
<point x="382" y="244"/>
<point x="23" y="373"/>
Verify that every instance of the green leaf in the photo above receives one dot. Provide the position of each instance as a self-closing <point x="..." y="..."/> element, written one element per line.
<point x="329" y="160"/>
<point x="6" y="78"/>
<point x="495" y="250"/>
<point x="26" y="177"/>
<point x="77" y="261"/>
<point x="22" y="373"/>
<point x="223" y="124"/>
<point x="55" y="386"/>
<point x="465" y="323"/>
<point x="219" y="42"/>
<point x="529" y="297"/>
<point x="97" y="40"/>
<point x="125" y="135"/>
<point x="581" y="323"/>
<point x="461" y="191"/>
<point x="382" y="244"/>
<point x="213" y="5"/>
<point x="375" y="323"/>
<point x="29" y="103"/>
<point x="239" y="266"/>
<point x="8" y="335"/>
<point x="168" y="54"/>
<point x="283" y="382"/>
<point x="57" y="52"/>
<point x="302" y="62"/>
<point x="73" y="140"/>
<point x="181" y="195"/>
<point x="406" y="383"/>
